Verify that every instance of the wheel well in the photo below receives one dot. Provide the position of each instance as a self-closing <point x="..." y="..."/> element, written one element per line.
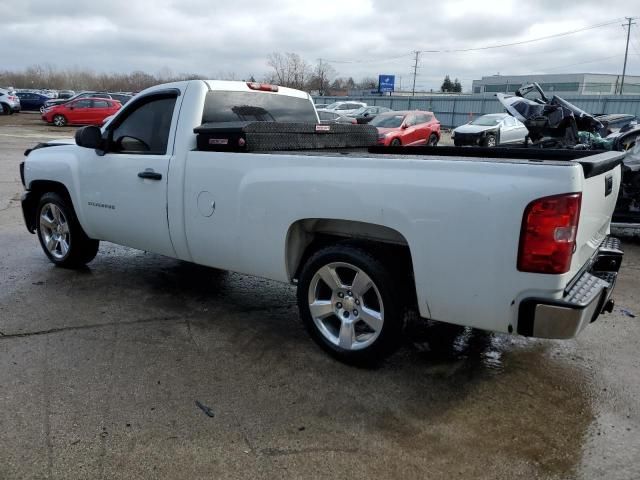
<point x="305" y="237"/>
<point x="37" y="188"/>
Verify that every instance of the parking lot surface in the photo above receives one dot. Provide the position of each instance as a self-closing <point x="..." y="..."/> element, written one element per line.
<point x="102" y="369"/>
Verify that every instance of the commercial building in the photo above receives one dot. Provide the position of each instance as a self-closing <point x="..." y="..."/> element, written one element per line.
<point x="561" y="84"/>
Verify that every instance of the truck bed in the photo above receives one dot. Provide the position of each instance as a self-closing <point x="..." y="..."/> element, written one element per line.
<point x="593" y="162"/>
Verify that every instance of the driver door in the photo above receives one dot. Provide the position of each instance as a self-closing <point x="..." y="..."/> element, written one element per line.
<point x="124" y="191"/>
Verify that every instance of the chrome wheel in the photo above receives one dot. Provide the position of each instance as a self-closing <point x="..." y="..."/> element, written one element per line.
<point x="346" y="306"/>
<point x="491" y="141"/>
<point x="54" y="230"/>
<point x="59" y="121"/>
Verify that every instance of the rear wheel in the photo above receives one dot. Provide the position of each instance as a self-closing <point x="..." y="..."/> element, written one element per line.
<point x="5" y="109"/>
<point x="62" y="238"/>
<point x="350" y="305"/>
<point x="59" y="121"/>
<point x="433" y="140"/>
<point x="396" y="142"/>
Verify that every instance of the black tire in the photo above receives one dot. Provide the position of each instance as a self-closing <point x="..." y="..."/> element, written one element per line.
<point x="432" y="141"/>
<point x="382" y="298"/>
<point x="59" y="120"/>
<point x="6" y="110"/>
<point x="396" y="142"/>
<point x="490" y="141"/>
<point x="80" y="249"/>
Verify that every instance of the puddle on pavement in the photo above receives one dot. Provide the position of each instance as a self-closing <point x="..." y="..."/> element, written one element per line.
<point x="494" y="401"/>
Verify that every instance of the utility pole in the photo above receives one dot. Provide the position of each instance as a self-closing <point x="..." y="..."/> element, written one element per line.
<point x="626" y="51"/>
<point x="415" y="72"/>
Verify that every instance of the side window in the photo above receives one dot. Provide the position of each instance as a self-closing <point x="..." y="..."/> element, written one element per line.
<point x="82" y="104"/>
<point x="101" y="104"/>
<point x="421" y="118"/>
<point x="145" y="129"/>
<point x="410" y="120"/>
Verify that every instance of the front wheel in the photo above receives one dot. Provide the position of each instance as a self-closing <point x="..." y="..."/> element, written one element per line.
<point x="396" y="142"/>
<point x="490" y="141"/>
<point x="59" y="121"/>
<point x="350" y="305"/>
<point x="62" y="238"/>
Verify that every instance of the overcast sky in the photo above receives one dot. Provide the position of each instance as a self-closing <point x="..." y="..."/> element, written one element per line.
<point x="359" y="37"/>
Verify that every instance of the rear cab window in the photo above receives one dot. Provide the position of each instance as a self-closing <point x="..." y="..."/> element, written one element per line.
<point x="227" y="106"/>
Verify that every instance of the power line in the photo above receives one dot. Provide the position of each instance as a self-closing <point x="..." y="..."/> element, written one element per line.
<point x="488" y="47"/>
<point x="372" y="60"/>
<point x="522" y="42"/>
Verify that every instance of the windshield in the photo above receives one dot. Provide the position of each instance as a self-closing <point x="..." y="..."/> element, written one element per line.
<point x="222" y="106"/>
<point x="333" y="106"/>
<point x="387" y="121"/>
<point x="487" y="121"/>
<point x="361" y="111"/>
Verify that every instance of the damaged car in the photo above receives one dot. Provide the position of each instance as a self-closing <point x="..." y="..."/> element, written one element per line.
<point x="489" y="131"/>
<point x="555" y="123"/>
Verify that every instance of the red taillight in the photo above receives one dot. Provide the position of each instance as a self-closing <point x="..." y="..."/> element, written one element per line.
<point x="354" y="121"/>
<point x="548" y="234"/>
<point x="265" y="87"/>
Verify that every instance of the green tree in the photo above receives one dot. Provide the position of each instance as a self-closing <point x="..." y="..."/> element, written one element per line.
<point x="447" y="85"/>
<point x="457" y="86"/>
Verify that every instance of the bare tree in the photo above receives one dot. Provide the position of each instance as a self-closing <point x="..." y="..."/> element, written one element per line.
<point x="321" y="78"/>
<point x="289" y="70"/>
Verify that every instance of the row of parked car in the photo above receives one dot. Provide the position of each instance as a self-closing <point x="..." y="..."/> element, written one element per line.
<point x="395" y="128"/>
<point x="66" y="107"/>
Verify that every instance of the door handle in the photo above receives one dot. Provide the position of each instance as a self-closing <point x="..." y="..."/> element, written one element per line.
<point x="150" y="174"/>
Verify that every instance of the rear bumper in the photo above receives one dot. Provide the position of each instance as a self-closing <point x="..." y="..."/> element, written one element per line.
<point x="586" y="297"/>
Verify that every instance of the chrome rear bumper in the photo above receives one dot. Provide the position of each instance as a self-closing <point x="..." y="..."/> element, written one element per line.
<point x="587" y="296"/>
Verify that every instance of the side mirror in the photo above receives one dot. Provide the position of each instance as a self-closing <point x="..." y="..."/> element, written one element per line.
<point x="71" y="107"/>
<point x="366" y="114"/>
<point x="89" y="137"/>
<point x="404" y="126"/>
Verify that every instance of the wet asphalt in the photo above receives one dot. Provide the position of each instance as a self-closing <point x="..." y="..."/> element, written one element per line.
<point x="102" y="369"/>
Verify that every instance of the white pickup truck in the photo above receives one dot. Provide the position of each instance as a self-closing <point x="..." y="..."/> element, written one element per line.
<point x="507" y="240"/>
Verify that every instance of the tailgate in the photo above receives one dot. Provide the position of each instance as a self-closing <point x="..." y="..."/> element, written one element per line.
<point x="602" y="175"/>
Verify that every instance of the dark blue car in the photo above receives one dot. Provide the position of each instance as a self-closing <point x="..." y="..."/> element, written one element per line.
<point x="32" y="102"/>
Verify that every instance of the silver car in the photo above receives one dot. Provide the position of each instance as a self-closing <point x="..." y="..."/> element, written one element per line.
<point x="490" y="130"/>
<point x="9" y="102"/>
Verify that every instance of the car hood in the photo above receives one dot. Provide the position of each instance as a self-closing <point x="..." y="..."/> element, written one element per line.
<point x="474" y="128"/>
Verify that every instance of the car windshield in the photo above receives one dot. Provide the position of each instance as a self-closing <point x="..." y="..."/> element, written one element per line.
<point x="360" y="111"/>
<point x="487" y="121"/>
<point x="387" y="121"/>
<point x="333" y="106"/>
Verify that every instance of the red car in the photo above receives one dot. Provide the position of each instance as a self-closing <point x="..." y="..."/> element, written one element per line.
<point x="84" y="111"/>
<point x="407" y="128"/>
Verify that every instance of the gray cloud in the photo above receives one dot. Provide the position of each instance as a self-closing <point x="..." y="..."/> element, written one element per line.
<point x="362" y="36"/>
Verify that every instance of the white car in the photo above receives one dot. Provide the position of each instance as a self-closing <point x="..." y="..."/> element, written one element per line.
<point x="345" y="108"/>
<point x="9" y="102"/>
<point x="516" y="244"/>
<point x="490" y="131"/>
